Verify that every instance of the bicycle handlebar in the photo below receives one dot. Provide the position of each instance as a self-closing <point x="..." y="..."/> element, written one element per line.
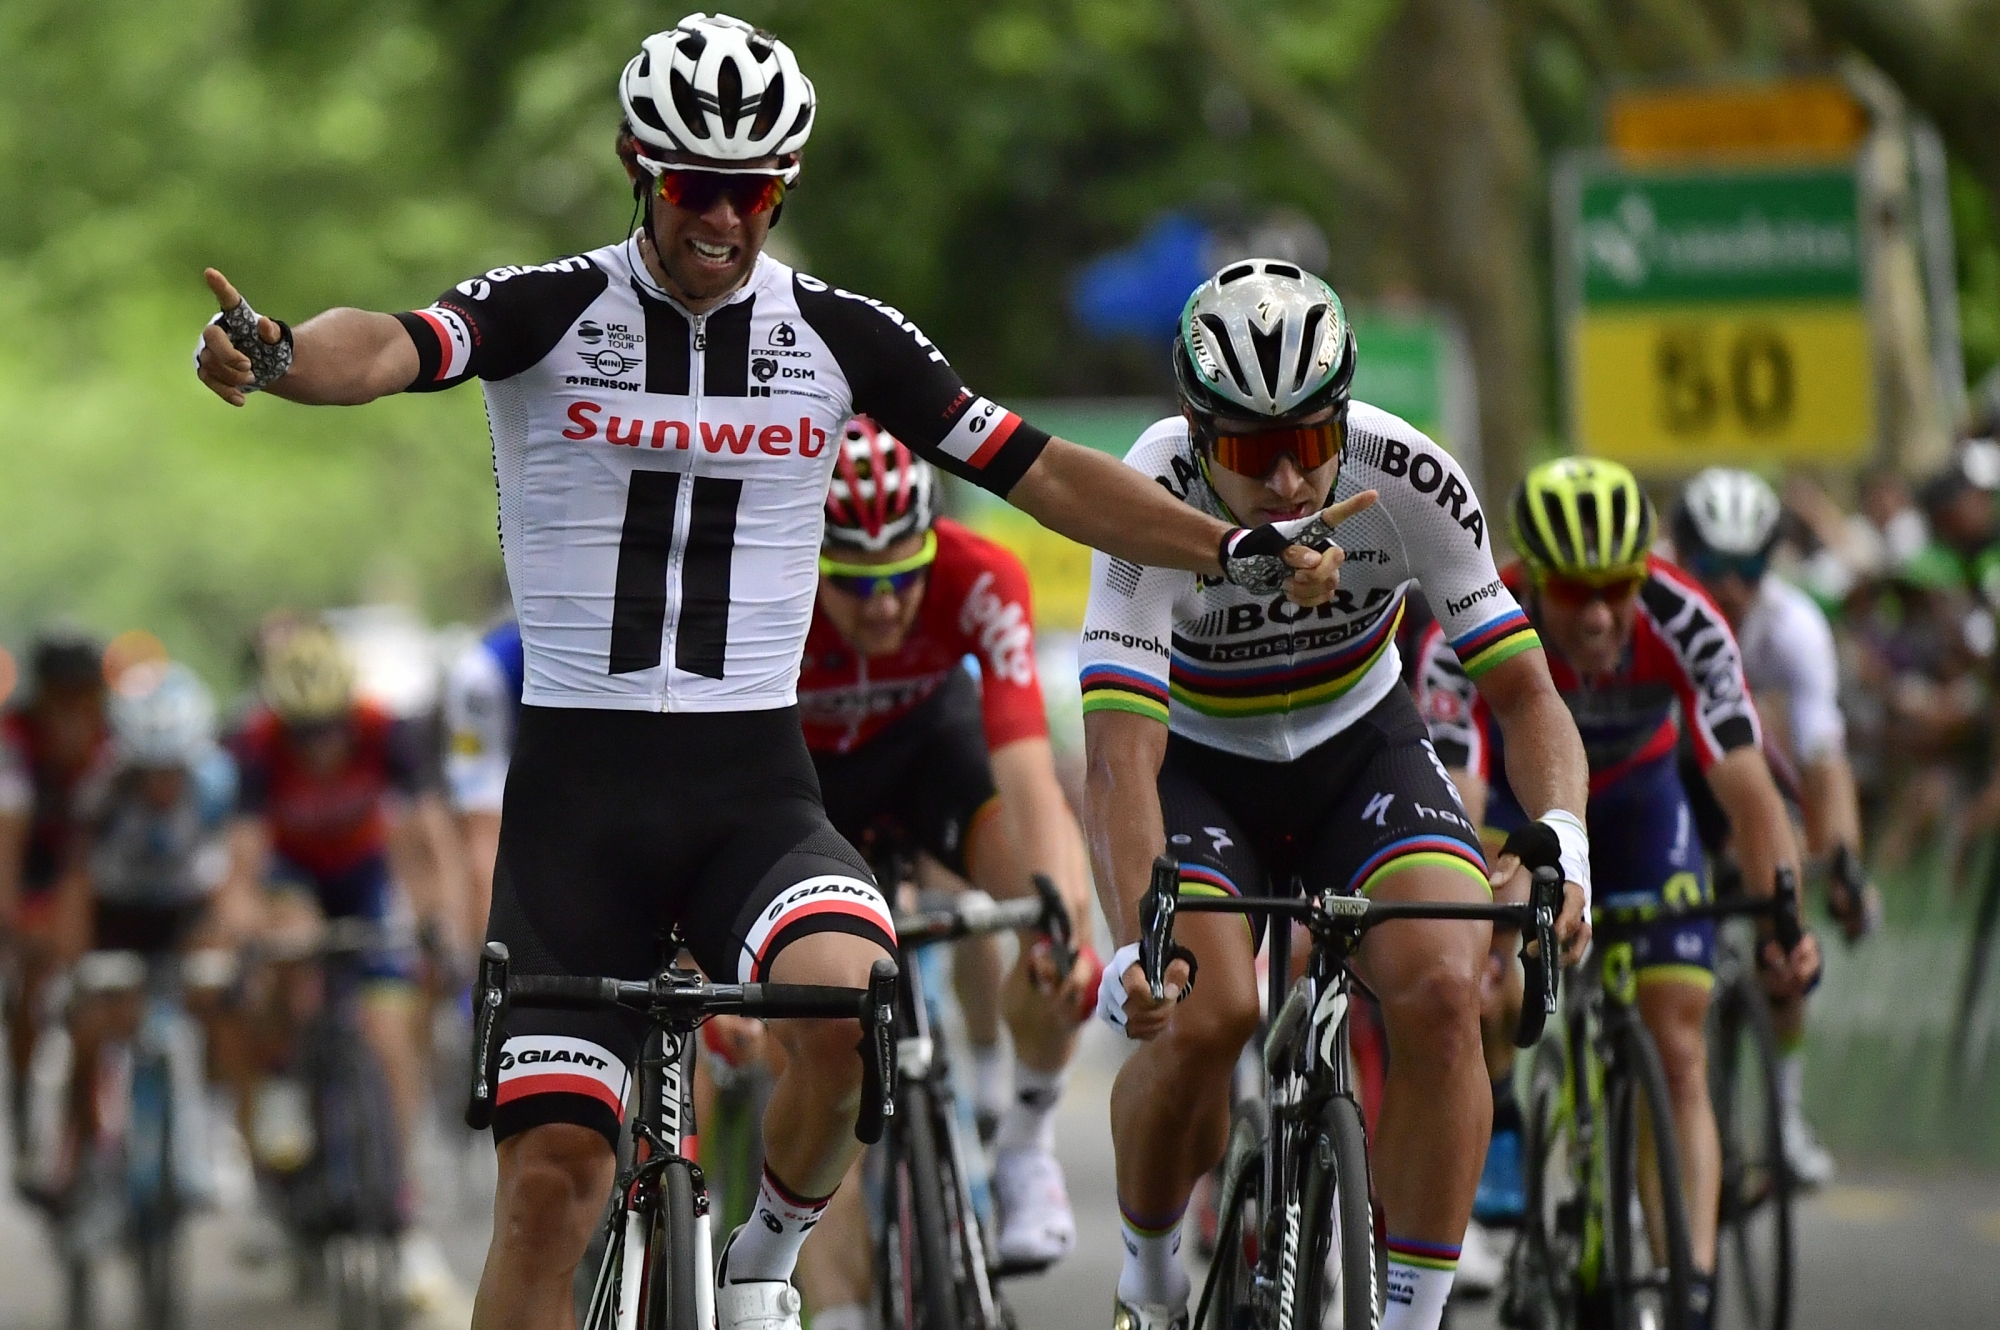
<point x="667" y="1001"/>
<point x="1355" y="915"/>
<point x="976" y="914"/>
<point x="1782" y="905"/>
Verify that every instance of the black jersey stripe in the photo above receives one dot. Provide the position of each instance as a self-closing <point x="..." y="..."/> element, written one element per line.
<point x="725" y="363"/>
<point x="668" y="362"/>
<point x="639" y="609"/>
<point x="701" y="640"/>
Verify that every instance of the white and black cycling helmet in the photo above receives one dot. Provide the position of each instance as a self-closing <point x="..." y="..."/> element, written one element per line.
<point x="881" y="491"/>
<point x="1263" y="338"/>
<point x="162" y="715"/>
<point x="716" y="87"/>
<point x="1728" y="512"/>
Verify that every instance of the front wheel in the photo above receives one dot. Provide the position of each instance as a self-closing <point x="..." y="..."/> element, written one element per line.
<point x="917" y="1289"/>
<point x="1647" y="1259"/>
<point x="1541" y="1287"/>
<point x="1753" y="1268"/>
<point x="670" y="1262"/>
<point x="1336" y="1216"/>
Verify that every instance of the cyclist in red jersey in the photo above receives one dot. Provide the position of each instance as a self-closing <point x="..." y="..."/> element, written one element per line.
<point x="329" y="786"/>
<point x="48" y="745"/>
<point x="908" y="744"/>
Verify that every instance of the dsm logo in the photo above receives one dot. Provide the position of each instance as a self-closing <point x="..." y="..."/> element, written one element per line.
<point x="608" y="363"/>
<point x="764" y="369"/>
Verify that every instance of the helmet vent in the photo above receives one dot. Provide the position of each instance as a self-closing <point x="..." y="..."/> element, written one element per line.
<point x="729" y="96"/>
<point x="688" y="107"/>
<point x="645" y="64"/>
<point x="1269" y="345"/>
<point x="1314" y="318"/>
<point x="647" y="111"/>
<point x="1283" y="270"/>
<point x="768" y="109"/>
<point x="1236" y="274"/>
<point x="1218" y="334"/>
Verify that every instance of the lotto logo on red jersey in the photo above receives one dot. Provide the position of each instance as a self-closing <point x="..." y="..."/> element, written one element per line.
<point x="1006" y="639"/>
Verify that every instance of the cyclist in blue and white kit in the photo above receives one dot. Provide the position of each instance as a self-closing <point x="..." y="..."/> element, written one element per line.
<point x="661" y="483"/>
<point x="1255" y="741"/>
<point x="482" y="710"/>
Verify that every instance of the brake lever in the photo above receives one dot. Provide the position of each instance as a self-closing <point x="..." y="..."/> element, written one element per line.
<point x="1540" y="970"/>
<point x="1785" y="921"/>
<point x="1157" y="948"/>
<point x="489" y="1015"/>
<point x="878" y="1053"/>
<point x="1056" y="925"/>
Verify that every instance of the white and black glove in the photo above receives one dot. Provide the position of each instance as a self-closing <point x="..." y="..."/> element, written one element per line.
<point x="269" y="361"/>
<point x="1252" y="556"/>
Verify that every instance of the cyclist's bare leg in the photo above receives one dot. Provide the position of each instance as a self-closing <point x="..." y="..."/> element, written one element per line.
<point x="809" y="1127"/>
<point x="1677" y="1015"/>
<point x="1437" y="1103"/>
<point x="389" y="1016"/>
<point x="1170" y="1103"/>
<point x="553" y="1183"/>
<point x="836" y="1266"/>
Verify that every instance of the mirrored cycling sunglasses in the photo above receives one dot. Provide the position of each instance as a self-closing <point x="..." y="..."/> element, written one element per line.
<point x="1575" y="592"/>
<point x="866" y="580"/>
<point x="1713" y="566"/>
<point x="1253" y="455"/>
<point x="697" y="191"/>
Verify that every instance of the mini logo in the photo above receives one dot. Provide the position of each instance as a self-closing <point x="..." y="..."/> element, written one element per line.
<point x="608" y="363"/>
<point x="590" y="332"/>
<point x="784" y="335"/>
<point x="765" y="370"/>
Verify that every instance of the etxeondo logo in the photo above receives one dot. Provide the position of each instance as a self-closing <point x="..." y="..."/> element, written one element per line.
<point x="772" y="440"/>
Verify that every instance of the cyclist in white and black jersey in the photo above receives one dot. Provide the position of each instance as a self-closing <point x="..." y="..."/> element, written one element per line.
<point x="1725" y="528"/>
<point x="1255" y="740"/>
<point x="665" y="414"/>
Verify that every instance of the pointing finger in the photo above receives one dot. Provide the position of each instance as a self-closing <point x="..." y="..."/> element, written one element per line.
<point x="1335" y="514"/>
<point x="227" y="297"/>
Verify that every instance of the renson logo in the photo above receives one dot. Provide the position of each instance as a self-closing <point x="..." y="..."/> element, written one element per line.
<point x="636" y="431"/>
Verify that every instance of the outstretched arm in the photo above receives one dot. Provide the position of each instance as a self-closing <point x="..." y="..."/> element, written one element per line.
<point x="1098" y="501"/>
<point x="343" y="357"/>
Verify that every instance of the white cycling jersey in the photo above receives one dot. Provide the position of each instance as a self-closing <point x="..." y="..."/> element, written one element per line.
<point x="1266" y="679"/>
<point x="662" y="474"/>
<point x="1788" y="649"/>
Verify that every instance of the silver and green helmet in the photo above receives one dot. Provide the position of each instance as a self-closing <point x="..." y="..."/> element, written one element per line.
<point x="1263" y="338"/>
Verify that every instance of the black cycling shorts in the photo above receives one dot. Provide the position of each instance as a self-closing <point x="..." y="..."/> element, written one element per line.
<point x="143" y="926"/>
<point x="923" y="780"/>
<point x="618" y="827"/>
<point x="1372" y="799"/>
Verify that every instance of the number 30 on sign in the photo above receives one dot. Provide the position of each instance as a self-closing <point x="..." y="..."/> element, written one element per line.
<point x="1683" y="386"/>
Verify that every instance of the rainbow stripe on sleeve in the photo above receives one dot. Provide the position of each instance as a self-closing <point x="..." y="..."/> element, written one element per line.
<point x="1113" y="688"/>
<point x="1494" y="642"/>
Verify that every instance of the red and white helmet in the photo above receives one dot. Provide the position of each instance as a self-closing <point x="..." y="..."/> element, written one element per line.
<point x="881" y="491"/>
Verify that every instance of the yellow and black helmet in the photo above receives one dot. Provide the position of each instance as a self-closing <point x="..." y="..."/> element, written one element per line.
<point x="308" y="676"/>
<point x="1583" y="518"/>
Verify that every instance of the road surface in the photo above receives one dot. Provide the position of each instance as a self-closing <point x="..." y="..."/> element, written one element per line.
<point x="1883" y="1247"/>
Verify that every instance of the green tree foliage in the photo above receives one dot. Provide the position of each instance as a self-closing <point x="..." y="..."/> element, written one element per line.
<point x="969" y="154"/>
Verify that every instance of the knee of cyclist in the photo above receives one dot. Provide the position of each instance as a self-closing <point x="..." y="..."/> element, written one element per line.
<point x="1684" y="1058"/>
<point x="553" y="1184"/>
<point x="1444" y="1001"/>
<point x="826" y="1050"/>
<point x="1213" y="1033"/>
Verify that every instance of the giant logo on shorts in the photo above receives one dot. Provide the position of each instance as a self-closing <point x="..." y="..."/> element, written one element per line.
<point x="833" y="893"/>
<point x="533" y="1064"/>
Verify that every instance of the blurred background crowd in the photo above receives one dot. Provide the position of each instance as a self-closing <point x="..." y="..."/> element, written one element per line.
<point x="1678" y="232"/>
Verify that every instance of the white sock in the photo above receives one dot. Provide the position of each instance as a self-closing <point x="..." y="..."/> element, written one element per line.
<point x="1030" y="1120"/>
<point x="847" y="1316"/>
<point x="768" y="1246"/>
<point x="1420" y="1275"/>
<point x="990" y="1088"/>
<point x="1153" y="1275"/>
<point x="1792" y="1081"/>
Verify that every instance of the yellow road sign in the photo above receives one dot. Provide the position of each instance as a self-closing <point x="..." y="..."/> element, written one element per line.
<point x="1794" y="118"/>
<point x="1676" y="387"/>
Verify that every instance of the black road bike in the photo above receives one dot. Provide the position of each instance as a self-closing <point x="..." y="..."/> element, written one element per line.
<point x="658" y="1271"/>
<point x="1296" y="1181"/>
<point x="1605" y="1237"/>
<point x="936" y="1263"/>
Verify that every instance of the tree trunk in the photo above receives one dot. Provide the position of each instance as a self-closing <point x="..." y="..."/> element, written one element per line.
<point x="1448" y="111"/>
